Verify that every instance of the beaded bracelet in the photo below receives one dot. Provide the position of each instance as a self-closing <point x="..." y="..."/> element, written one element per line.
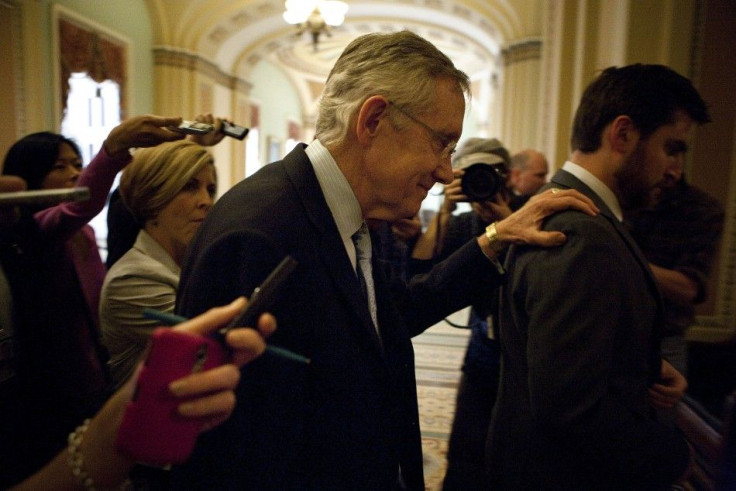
<point x="76" y="460"/>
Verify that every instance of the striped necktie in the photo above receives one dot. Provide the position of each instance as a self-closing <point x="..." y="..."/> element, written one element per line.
<point x="362" y="241"/>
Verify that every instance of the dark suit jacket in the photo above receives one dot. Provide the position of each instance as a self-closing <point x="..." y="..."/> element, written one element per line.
<point x="349" y="419"/>
<point x="580" y="347"/>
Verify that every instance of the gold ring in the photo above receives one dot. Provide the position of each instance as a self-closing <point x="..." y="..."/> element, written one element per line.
<point x="555" y="190"/>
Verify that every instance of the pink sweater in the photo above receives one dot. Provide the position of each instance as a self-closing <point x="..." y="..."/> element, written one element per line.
<point x="59" y="224"/>
<point x="77" y="264"/>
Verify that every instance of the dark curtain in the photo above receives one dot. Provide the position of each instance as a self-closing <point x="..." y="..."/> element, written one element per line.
<point x="86" y="51"/>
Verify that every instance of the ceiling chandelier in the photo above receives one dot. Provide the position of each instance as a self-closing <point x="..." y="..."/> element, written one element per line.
<point x="315" y="16"/>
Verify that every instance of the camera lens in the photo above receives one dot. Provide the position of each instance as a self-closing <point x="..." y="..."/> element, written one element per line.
<point x="481" y="182"/>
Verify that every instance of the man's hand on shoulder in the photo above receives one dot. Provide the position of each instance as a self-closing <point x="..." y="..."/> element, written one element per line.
<point x="524" y="226"/>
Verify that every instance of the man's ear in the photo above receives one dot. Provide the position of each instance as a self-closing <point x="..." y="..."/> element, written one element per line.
<point x="371" y="116"/>
<point x="623" y="135"/>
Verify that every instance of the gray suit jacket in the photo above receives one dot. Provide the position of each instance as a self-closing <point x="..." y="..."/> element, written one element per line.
<point x="580" y="346"/>
<point x="349" y="419"/>
<point x="145" y="277"/>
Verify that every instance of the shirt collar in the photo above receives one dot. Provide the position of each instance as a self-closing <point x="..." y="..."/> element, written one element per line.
<point x="150" y="247"/>
<point x="339" y="195"/>
<point x="603" y="191"/>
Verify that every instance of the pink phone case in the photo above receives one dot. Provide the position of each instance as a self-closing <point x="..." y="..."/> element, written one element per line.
<point x="152" y="432"/>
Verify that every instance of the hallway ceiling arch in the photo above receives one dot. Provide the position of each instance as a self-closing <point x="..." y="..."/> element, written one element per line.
<point x="235" y="35"/>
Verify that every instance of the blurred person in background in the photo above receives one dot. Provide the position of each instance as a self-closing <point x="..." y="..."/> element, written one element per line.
<point x="527" y="172"/>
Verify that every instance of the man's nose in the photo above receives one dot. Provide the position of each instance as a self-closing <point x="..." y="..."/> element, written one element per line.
<point x="674" y="170"/>
<point x="443" y="173"/>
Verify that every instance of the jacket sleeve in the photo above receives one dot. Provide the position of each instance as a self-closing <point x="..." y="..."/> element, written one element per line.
<point x="464" y="278"/>
<point x="61" y="222"/>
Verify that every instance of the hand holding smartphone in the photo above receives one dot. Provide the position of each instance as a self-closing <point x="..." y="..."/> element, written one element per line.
<point x="152" y="432"/>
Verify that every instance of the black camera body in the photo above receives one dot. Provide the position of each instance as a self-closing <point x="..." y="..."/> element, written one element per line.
<point x="485" y="175"/>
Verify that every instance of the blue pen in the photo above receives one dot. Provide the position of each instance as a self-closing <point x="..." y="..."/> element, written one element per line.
<point x="173" y="319"/>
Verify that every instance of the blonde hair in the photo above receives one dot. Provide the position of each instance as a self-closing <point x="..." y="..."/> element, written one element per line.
<point x="400" y="66"/>
<point x="156" y="175"/>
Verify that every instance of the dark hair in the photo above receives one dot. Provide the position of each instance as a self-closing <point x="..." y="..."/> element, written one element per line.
<point x="33" y="156"/>
<point x="649" y="94"/>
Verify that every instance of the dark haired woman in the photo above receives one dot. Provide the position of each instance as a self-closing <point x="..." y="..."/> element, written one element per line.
<point x="55" y="274"/>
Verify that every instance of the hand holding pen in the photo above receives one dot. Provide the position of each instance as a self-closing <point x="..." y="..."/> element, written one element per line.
<point x="235" y="337"/>
<point x="261" y="299"/>
<point x="153" y="430"/>
<point x="206" y="398"/>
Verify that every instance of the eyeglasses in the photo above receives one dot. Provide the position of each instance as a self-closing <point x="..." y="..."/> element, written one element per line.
<point x="446" y="144"/>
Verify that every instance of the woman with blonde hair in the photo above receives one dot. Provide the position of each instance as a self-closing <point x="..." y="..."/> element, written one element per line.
<point x="169" y="189"/>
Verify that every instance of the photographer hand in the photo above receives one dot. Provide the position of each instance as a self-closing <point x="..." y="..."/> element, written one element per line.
<point x="430" y="242"/>
<point x="493" y="210"/>
<point x="453" y="193"/>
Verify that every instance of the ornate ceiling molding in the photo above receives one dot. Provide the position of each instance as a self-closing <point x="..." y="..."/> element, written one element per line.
<point x="193" y="62"/>
<point x="530" y="49"/>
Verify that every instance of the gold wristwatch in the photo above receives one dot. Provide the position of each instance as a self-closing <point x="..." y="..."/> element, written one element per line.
<point x="495" y="243"/>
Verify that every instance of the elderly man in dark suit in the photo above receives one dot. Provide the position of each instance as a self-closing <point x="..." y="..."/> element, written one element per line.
<point x="390" y="117"/>
<point x="580" y="323"/>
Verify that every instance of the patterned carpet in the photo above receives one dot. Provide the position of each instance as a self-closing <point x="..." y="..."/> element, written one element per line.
<point x="439" y="354"/>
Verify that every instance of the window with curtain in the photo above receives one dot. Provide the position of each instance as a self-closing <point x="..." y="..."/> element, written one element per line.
<point x="93" y="78"/>
<point x="83" y="50"/>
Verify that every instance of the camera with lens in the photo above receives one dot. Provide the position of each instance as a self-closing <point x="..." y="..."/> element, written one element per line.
<point x="485" y="175"/>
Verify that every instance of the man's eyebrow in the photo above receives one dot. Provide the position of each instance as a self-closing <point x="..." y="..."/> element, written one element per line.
<point x="449" y="136"/>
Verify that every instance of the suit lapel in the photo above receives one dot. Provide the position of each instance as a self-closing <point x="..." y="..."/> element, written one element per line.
<point x="331" y="248"/>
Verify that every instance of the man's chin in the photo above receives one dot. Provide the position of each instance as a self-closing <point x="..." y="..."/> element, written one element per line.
<point x="411" y="212"/>
<point x="633" y="201"/>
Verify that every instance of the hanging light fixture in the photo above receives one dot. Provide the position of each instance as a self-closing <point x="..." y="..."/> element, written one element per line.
<point x="315" y="16"/>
